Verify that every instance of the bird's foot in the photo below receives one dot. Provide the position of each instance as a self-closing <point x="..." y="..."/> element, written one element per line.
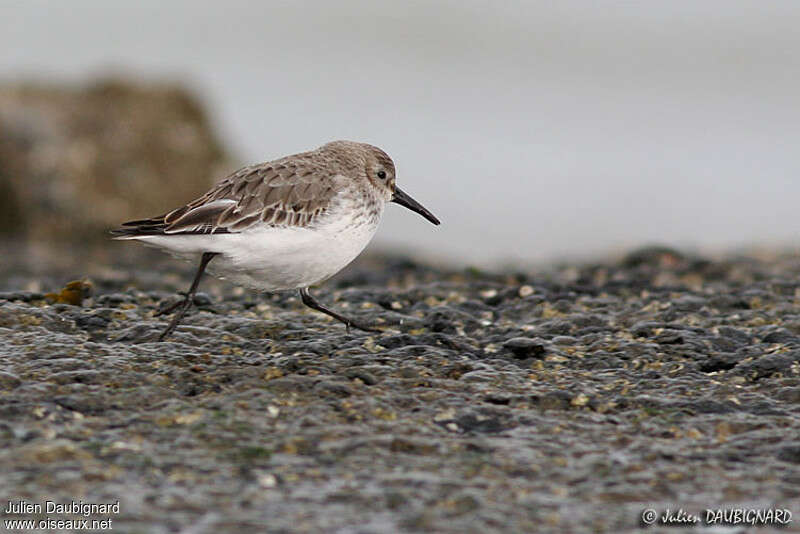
<point x="166" y="309"/>
<point x="348" y="323"/>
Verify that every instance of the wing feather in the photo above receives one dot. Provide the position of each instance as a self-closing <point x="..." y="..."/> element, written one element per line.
<point x="281" y="193"/>
<point x="199" y="219"/>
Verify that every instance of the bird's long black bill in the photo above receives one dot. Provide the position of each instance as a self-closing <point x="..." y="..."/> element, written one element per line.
<point x="404" y="200"/>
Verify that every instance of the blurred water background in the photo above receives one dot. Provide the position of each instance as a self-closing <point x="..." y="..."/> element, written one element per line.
<point x="534" y="130"/>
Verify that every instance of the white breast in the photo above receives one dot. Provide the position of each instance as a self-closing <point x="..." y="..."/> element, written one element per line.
<point x="275" y="259"/>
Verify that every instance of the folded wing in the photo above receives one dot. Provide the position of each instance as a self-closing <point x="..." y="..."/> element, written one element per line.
<point x="280" y="193"/>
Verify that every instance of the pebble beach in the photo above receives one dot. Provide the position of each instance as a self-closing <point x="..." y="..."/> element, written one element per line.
<point x="566" y="398"/>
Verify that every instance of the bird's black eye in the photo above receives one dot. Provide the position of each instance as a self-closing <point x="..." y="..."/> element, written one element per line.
<point x="382" y="175"/>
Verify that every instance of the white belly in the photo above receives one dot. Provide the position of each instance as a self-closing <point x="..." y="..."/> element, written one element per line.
<point x="275" y="259"/>
<point x="278" y="259"/>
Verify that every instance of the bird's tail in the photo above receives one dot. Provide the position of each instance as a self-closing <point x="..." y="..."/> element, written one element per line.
<point x="140" y="228"/>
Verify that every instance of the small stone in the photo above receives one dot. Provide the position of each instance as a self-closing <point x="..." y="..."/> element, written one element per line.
<point x="780" y="336"/>
<point x="73" y="293"/>
<point x="580" y="400"/>
<point x="365" y="377"/>
<point x="790" y="453"/>
<point x="445" y="415"/>
<point x="266" y="480"/>
<point x="201" y="299"/>
<point x="688" y="303"/>
<point x="523" y="347"/>
<point x="525" y="291"/>
<point x="9" y="380"/>
<point x="564" y="340"/>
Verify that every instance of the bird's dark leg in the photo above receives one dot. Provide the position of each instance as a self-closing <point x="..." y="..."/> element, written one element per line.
<point x="166" y="310"/>
<point x="314" y="304"/>
<point x="184" y="305"/>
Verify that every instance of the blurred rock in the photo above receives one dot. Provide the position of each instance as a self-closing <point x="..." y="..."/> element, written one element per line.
<point x="76" y="161"/>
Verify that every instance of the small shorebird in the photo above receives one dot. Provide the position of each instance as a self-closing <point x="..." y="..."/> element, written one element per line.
<point x="285" y="224"/>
